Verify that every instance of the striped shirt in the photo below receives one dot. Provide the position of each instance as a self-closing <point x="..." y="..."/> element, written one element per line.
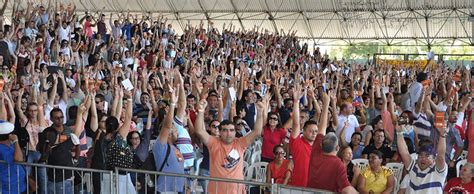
<point x="430" y="180"/>
<point x="423" y="125"/>
<point x="184" y="143"/>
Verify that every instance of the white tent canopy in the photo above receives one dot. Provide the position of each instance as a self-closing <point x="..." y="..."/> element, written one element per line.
<point x="322" y="22"/>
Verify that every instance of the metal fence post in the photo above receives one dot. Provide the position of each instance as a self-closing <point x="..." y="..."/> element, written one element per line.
<point x="275" y="188"/>
<point x="116" y="180"/>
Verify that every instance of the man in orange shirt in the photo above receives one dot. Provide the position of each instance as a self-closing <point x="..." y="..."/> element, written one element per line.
<point x="226" y="151"/>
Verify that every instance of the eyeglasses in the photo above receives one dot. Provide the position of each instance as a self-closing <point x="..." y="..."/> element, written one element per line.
<point x="279" y="153"/>
<point x="274" y="118"/>
<point x="214" y="126"/>
<point x="240" y="124"/>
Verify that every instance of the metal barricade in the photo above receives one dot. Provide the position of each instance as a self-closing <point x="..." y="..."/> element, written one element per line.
<point x="285" y="189"/>
<point x="26" y="177"/>
<point x="171" y="182"/>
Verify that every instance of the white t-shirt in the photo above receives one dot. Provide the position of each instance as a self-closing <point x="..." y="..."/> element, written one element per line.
<point x="430" y="180"/>
<point x="353" y="124"/>
<point x="64" y="33"/>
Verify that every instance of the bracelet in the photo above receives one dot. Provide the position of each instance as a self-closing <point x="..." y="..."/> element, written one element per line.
<point x="173" y="104"/>
<point x="400" y="133"/>
<point x="129" y="99"/>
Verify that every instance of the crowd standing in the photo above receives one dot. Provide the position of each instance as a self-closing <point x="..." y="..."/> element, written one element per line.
<point x="95" y="91"/>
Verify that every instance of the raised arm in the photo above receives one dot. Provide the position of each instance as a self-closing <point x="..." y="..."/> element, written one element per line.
<point x="10" y="109"/>
<point x="168" y="122"/>
<point x="22" y="115"/>
<point x="181" y="111"/>
<point x="199" y="124"/>
<point x="402" y="146"/>
<point x="123" y="130"/>
<point x="258" y="127"/>
<point x="323" y="121"/>
<point x="441" y="150"/>
<point x="296" y="128"/>
<point x="54" y="90"/>
<point x="79" y="125"/>
<point x="94" y="124"/>
<point x="63" y="81"/>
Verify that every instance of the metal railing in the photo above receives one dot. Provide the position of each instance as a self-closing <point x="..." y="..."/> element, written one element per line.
<point x="58" y="179"/>
<point x="71" y="180"/>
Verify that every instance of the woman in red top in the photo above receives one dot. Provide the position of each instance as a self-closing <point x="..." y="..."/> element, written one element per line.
<point x="279" y="171"/>
<point x="463" y="183"/>
<point x="273" y="135"/>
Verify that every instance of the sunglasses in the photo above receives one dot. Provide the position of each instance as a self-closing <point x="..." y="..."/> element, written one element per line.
<point x="214" y="126"/>
<point x="274" y="118"/>
<point x="279" y="153"/>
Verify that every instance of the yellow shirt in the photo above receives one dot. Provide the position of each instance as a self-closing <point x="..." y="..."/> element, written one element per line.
<point x="376" y="182"/>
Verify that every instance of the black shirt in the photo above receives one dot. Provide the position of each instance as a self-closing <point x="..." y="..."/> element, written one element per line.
<point x="386" y="151"/>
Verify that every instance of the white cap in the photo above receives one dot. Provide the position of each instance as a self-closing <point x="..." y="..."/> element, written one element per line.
<point x="6" y="127"/>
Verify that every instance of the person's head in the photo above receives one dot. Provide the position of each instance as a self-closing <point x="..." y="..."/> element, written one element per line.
<point x="273" y="120"/>
<point x="375" y="159"/>
<point x="379" y="137"/>
<point x="249" y="97"/>
<point x="72" y="112"/>
<point x="134" y="138"/>
<point x="356" y="138"/>
<point x="377" y="123"/>
<point x="144" y="98"/>
<point x="422" y="76"/>
<point x="57" y="117"/>
<point x="227" y="131"/>
<point x="279" y="152"/>
<point x="288" y="103"/>
<point x="212" y="101"/>
<point x="346" y="108"/>
<point x="379" y="103"/>
<point x="345" y="153"/>
<point x="111" y="124"/>
<point x="191" y="101"/>
<point x="102" y="121"/>
<point x="310" y="130"/>
<point x="467" y="172"/>
<point x="344" y="93"/>
<point x="330" y="143"/>
<point x="453" y="116"/>
<point x="6" y="128"/>
<point x="32" y="109"/>
<point x="214" y="128"/>
<point x="426" y="156"/>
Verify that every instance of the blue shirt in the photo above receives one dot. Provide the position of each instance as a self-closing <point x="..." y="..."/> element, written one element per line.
<point x="172" y="165"/>
<point x="12" y="175"/>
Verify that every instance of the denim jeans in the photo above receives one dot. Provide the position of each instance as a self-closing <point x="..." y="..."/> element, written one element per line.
<point x="63" y="187"/>
<point x="202" y="182"/>
<point x="40" y="177"/>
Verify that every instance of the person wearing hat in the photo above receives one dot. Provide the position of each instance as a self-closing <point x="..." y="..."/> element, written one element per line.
<point x="428" y="172"/>
<point x="13" y="175"/>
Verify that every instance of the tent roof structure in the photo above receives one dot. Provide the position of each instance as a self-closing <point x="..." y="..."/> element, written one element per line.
<point x="320" y="22"/>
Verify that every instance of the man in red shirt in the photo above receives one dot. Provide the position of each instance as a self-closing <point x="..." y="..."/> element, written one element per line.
<point x="326" y="170"/>
<point x="300" y="146"/>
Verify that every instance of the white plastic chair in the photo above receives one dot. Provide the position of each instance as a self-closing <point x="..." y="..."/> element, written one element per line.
<point x="397" y="169"/>
<point x="463" y="155"/>
<point x="255" y="157"/>
<point x="257" y="146"/>
<point x="198" y="163"/>
<point x="246" y="168"/>
<point x="459" y="165"/>
<point x="247" y="155"/>
<point x="258" y="169"/>
<point x="361" y="163"/>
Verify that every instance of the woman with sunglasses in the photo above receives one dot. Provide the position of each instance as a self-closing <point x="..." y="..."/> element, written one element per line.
<point x="280" y="169"/>
<point x="273" y="134"/>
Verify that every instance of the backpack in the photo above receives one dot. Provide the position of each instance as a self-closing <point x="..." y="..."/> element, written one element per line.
<point x="118" y="156"/>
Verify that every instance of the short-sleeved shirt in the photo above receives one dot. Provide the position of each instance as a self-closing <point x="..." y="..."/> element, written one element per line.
<point x="184" y="143"/>
<point x="353" y="125"/>
<point x="271" y="138"/>
<point x="376" y="182"/>
<point x="326" y="172"/>
<point x="455" y="185"/>
<point x="430" y="180"/>
<point x="227" y="162"/>
<point x="301" y="153"/>
<point x="386" y="151"/>
<point x="13" y="175"/>
<point x="174" y="164"/>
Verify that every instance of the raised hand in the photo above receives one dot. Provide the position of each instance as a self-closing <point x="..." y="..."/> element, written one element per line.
<point x="202" y="105"/>
<point x="261" y="107"/>
<point x="174" y="94"/>
<point x="325" y="97"/>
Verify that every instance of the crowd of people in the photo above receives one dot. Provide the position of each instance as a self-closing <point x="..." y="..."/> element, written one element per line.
<point x="89" y="90"/>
